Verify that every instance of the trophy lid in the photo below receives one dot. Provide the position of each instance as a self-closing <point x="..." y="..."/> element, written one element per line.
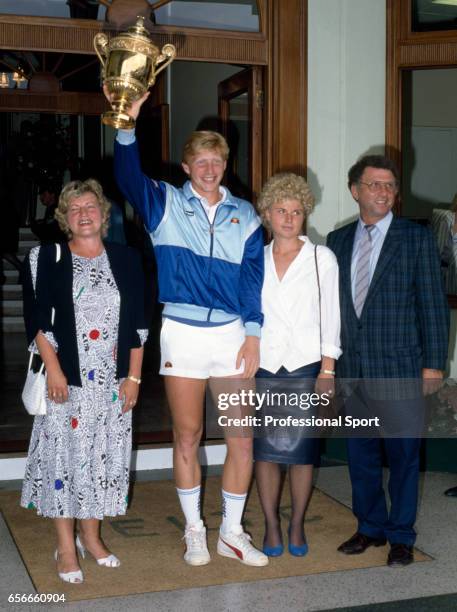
<point x="138" y="29"/>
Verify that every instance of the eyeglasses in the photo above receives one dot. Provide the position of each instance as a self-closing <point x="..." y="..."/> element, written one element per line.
<point x="377" y="186"/>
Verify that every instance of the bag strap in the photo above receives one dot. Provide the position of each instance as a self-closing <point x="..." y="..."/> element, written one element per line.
<point x="319" y="293"/>
<point x="30" y="363"/>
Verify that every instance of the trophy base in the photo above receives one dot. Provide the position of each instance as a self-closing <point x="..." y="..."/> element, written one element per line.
<point x="120" y="121"/>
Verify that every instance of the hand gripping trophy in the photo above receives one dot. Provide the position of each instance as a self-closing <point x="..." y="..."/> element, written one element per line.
<point x="130" y="63"/>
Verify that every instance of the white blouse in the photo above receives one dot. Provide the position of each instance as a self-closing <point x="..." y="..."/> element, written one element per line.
<point x="291" y="335"/>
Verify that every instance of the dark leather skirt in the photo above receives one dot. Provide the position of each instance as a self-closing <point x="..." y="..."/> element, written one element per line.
<point x="287" y="444"/>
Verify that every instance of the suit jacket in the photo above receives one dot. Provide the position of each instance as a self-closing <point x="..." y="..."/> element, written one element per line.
<point x="404" y="324"/>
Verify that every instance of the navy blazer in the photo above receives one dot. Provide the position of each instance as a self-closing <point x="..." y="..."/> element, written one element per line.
<point x="404" y="324"/>
<point x="53" y="289"/>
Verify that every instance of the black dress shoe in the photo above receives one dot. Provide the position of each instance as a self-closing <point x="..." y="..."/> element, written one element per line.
<point x="452" y="492"/>
<point x="400" y="555"/>
<point x="359" y="543"/>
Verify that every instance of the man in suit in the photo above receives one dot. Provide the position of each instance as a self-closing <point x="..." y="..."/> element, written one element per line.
<point x="395" y="325"/>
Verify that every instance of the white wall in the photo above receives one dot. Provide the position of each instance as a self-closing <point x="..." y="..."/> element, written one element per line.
<point x="346" y="101"/>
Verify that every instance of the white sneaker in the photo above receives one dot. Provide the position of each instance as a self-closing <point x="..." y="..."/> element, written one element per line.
<point x="237" y="545"/>
<point x="196" y="548"/>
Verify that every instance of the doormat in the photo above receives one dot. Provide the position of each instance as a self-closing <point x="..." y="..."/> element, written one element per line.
<point x="148" y="541"/>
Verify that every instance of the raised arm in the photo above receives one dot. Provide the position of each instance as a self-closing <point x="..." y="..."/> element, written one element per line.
<point x="147" y="196"/>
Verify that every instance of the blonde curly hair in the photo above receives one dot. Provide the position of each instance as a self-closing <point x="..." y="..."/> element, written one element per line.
<point x="75" y="189"/>
<point x="284" y="186"/>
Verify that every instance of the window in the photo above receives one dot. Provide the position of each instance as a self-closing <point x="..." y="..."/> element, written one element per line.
<point x="77" y="9"/>
<point x="432" y="15"/>
<point x="241" y="15"/>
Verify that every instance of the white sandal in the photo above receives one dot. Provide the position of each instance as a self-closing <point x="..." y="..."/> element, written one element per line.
<point x="110" y="561"/>
<point x="75" y="577"/>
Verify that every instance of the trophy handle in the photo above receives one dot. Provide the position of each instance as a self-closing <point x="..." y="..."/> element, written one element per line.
<point x="166" y="56"/>
<point x="101" y="47"/>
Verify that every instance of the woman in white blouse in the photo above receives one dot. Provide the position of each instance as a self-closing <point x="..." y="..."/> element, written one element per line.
<point x="300" y="340"/>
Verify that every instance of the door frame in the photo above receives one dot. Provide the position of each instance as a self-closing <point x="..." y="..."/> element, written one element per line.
<point x="29" y="33"/>
<point x="406" y="51"/>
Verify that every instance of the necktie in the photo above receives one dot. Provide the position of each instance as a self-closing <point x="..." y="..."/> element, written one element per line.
<point x="362" y="274"/>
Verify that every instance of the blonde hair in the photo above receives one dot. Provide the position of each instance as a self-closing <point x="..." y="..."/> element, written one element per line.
<point x="284" y="186"/>
<point x="205" y="140"/>
<point x="75" y="189"/>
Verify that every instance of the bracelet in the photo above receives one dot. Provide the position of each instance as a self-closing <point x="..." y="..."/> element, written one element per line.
<point x="332" y="372"/>
<point x="135" y="380"/>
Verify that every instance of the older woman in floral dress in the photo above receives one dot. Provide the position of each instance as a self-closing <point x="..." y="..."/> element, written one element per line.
<point x="79" y="455"/>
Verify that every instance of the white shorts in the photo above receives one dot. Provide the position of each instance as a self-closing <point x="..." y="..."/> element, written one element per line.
<point x="200" y="352"/>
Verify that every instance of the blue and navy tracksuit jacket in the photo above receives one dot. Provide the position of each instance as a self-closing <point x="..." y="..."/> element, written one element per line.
<point x="208" y="273"/>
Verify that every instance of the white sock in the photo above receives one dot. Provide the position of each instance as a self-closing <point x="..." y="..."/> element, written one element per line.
<point x="232" y="509"/>
<point x="190" y="504"/>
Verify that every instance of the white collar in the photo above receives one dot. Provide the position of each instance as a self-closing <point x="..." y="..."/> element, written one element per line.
<point x="382" y="225"/>
<point x="204" y="201"/>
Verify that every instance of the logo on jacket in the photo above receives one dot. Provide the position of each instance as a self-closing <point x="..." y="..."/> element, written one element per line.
<point x="234" y="220"/>
<point x="168" y="364"/>
<point x="189" y="213"/>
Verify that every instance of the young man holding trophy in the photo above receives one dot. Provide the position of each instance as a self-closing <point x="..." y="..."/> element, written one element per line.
<point x="209" y="250"/>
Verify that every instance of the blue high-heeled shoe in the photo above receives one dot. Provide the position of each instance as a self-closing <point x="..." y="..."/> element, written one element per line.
<point x="297" y="551"/>
<point x="273" y="551"/>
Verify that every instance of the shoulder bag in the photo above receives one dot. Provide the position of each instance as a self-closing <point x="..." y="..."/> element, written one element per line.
<point x="34" y="391"/>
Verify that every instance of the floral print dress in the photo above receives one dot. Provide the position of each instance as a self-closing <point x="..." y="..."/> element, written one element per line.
<point x="79" y="454"/>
